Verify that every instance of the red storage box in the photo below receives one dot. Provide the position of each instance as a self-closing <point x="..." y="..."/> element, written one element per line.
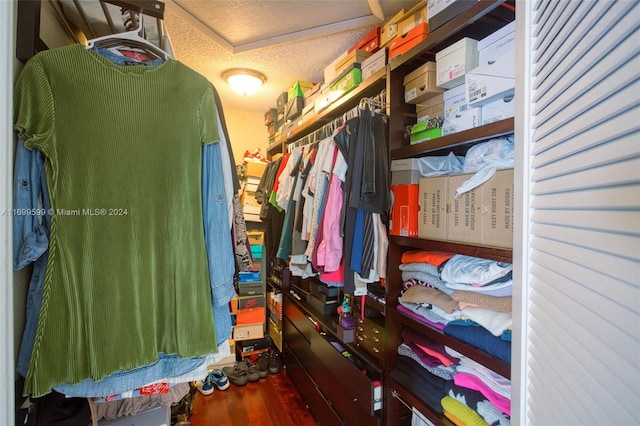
<point x="250" y="316"/>
<point x="403" y="43"/>
<point x="405" y="209"/>
<point x="369" y="43"/>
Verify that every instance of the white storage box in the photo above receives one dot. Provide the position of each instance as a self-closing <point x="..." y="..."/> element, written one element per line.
<point x="374" y="63"/>
<point x="497" y="44"/>
<point x="500" y="109"/>
<point x="458" y="115"/>
<point x="453" y="62"/>
<point x="490" y="82"/>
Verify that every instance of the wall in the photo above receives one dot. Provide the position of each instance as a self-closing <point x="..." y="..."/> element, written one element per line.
<point x="8" y="69"/>
<point x="246" y="131"/>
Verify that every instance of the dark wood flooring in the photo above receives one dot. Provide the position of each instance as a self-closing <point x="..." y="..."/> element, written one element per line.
<point x="272" y="401"/>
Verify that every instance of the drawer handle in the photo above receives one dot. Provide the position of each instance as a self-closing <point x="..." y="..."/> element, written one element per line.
<point x="376" y="350"/>
<point x="375" y="339"/>
<point x="360" y="328"/>
<point x="360" y="338"/>
<point x="375" y="330"/>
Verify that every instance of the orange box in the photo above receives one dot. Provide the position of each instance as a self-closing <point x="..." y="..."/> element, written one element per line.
<point x="250" y="316"/>
<point x="403" y="43"/>
<point x="369" y="43"/>
<point x="405" y="210"/>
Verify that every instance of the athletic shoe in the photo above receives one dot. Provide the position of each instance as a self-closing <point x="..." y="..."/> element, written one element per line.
<point x="252" y="370"/>
<point x="220" y="379"/>
<point x="236" y="375"/>
<point x="263" y="365"/>
<point x="206" y="386"/>
<point x="274" y="362"/>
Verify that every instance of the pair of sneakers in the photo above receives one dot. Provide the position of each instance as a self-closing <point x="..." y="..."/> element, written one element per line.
<point x="269" y="362"/>
<point x="215" y="379"/>
<point x="242" y="372"/>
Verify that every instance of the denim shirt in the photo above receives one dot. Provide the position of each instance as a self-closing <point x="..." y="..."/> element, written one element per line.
<point x="30" y="241"/>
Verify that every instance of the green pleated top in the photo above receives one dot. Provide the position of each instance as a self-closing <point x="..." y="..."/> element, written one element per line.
<point x="127" y="276"/>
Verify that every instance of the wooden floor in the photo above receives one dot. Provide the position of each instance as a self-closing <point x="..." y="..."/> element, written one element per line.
<point x="272" y="401"/>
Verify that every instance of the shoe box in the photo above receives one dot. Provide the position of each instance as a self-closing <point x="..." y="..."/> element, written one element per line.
<point x="253" y="345"/>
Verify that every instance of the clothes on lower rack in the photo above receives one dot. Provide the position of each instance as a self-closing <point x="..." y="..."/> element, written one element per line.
<point x="326" y="188"/>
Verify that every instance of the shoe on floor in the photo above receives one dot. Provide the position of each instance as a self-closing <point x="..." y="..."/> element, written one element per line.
<point x="263" y="365"/>
<point x="220" y="379"/>
<point x="274" y="362"/>
<point x="205" y="386"/>
<point x="252" y="370"/>
<point x="236" y="374"/>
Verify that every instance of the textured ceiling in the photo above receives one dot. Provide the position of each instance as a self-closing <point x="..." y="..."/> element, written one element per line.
<point x="287" y="40"/>
<point x="282" y="63"/>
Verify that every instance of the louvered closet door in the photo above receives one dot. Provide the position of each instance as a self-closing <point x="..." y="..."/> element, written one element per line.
<point x="583" y="364"/>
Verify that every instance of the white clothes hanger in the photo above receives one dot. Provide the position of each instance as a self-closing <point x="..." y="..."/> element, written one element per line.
<point x="130" y="39"/>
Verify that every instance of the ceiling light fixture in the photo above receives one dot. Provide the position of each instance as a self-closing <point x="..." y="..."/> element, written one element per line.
<point x="244" y="81"/>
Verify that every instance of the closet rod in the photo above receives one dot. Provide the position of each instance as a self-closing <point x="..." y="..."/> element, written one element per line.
<point x="373" y="103"/>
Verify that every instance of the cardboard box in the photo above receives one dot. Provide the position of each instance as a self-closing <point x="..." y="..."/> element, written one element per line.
<point x="497" y="110"/>
<point x="356" y="56"/>
<point x="455" y="61"/>
<point x="251" y="301"/>
<point x="432" y="222"/>
<point x="458" y="115"/>
<point x="497" y="211"/>
<point x="490" y="82"/>
<point x="440" y="12"/>
<point x="482" y="216"/>
<point x="347" y="81"/>
<point x="403" y="220"/>
<point x="323" y="100"/>
<point x="271" y="116"/>
<point x="249" y="288"/>
<point x="464" y="212"/>
<point x="299" y="88"/>
<point x="374" y="63"/>
<point x="405" y="164"/>
<point x="281" y="103"/>
<point x="430" y="108"/>
<point x="390" y="29"/>
<point x="369" y="43"/>
<point x="414" y="17"/>
<point x="422" y="132"/>
<point x="249" y="331"/>
<point x="497" y="44"/>
<point x="420" y="84"/>
<point x="403" y="43"/>
<point x="330" y="72"/>
<point x="294" y="108"/>
<point x="255" y="169"/>
<point x="405" y="177"/>
<point x="250" y="316"/>
<point x="255" y="238"/>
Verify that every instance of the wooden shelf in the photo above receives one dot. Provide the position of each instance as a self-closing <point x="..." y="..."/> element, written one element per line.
<point x="478" y="355"/>
<point x="466" y="138"/>
<point x="398" y="390"/>
<point x="370" y="87"/>
<point x="478" y="21"/>
<point x="493" y="253"/>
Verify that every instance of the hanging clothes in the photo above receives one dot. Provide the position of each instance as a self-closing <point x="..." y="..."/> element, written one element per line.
<point x="148" y="251"/>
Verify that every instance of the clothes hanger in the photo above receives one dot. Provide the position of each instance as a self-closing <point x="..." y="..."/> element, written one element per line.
<point x="131" y="39"/>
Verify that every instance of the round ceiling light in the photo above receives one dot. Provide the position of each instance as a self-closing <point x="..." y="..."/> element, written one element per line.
<point x="244" y="81"/>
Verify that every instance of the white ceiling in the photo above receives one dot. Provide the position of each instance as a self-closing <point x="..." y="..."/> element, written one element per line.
<point x="287" y="40"/>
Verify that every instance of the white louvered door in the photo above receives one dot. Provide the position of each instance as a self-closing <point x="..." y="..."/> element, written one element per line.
<point x="580" y="256"/>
